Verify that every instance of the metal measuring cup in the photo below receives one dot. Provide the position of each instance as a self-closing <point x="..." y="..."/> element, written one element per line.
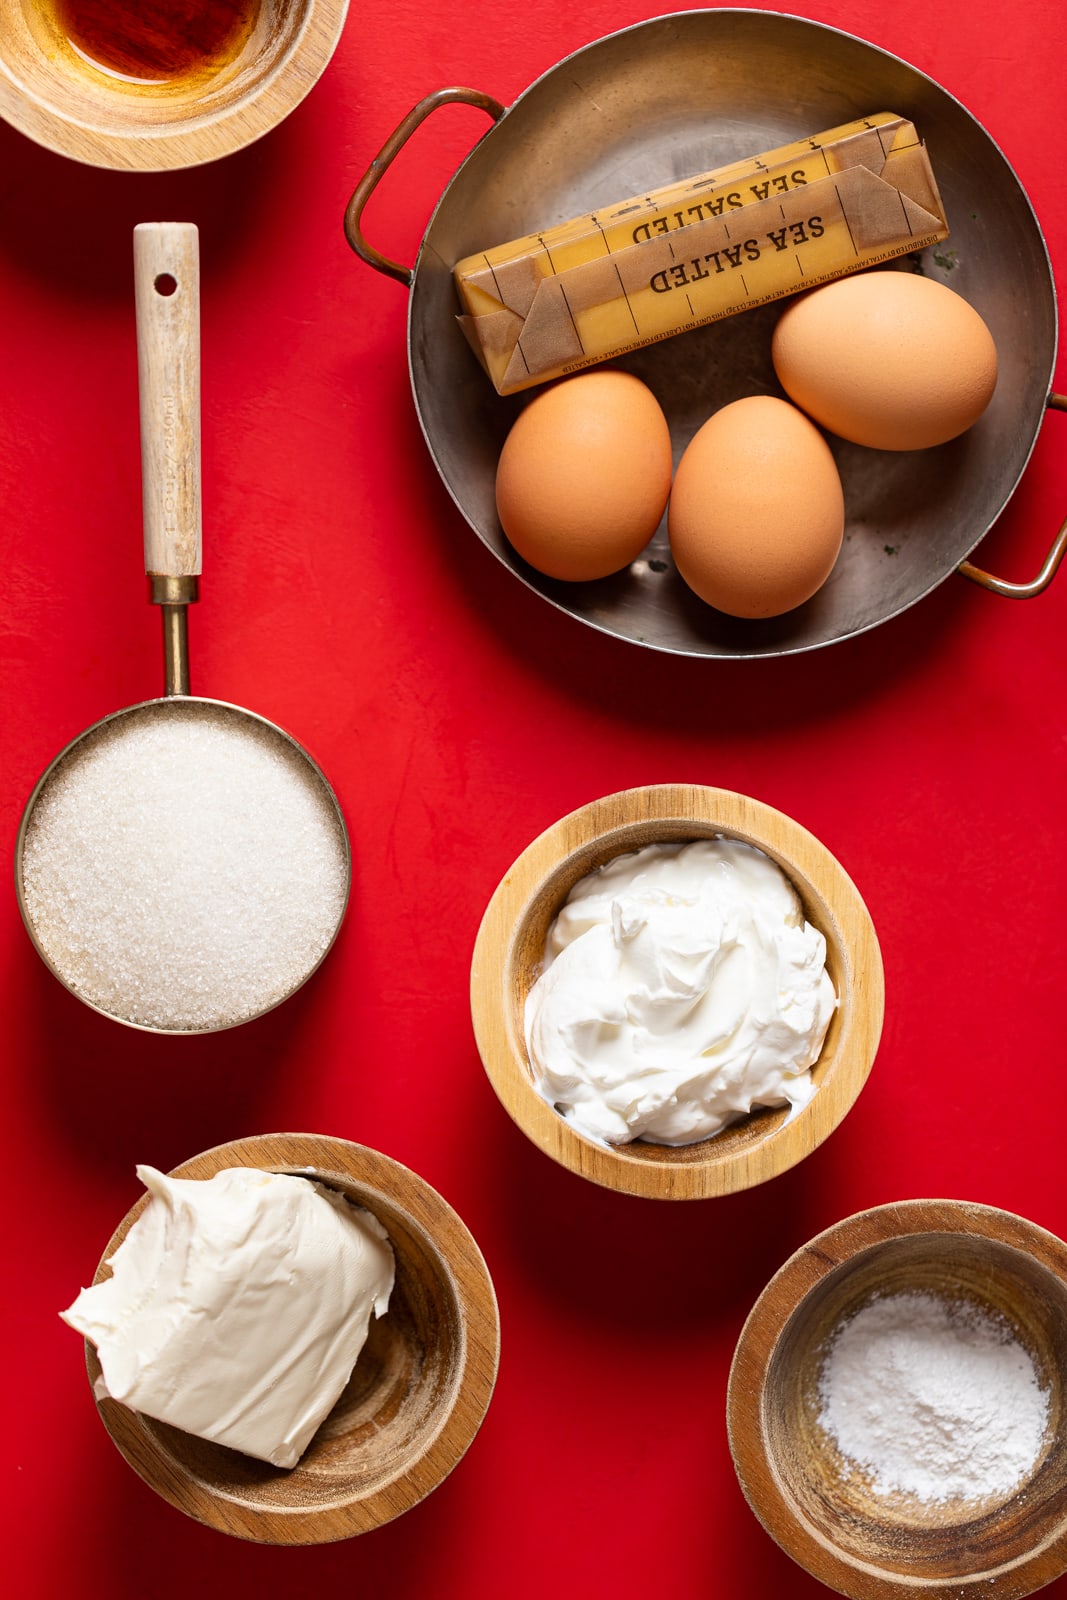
<point x="183" y="849"/>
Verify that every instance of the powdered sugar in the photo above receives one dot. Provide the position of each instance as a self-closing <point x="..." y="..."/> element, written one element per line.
<point x="933" y="1397"/>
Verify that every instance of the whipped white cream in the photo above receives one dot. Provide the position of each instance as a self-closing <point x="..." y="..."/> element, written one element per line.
<point x="681" y="988"/>
<point x="237" y="1307"/>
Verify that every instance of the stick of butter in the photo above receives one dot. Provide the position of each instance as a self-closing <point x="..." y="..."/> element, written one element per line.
<point x="591" y="289"/>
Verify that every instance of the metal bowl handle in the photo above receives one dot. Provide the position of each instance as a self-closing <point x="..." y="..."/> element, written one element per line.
<point x="385" y="157"/>
<point x="1024" y="591"/>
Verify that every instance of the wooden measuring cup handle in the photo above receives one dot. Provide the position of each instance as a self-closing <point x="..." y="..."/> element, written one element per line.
<point x="166" y="259"/>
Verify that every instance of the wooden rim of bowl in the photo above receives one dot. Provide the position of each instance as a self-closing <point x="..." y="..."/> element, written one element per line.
<point x="186" y="133"/>
<point x="391" y="1191"/>
<point x="820" y="1264"/>
<point x="767" y="1142"/>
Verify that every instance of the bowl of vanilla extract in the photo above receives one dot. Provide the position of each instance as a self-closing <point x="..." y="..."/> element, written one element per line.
<point x="150" y="85"/>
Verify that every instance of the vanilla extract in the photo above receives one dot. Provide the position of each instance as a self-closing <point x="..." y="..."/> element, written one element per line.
<point x="156" y="43"/>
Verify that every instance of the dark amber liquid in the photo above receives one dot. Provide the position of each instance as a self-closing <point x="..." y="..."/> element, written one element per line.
<point x="157" y="41"/>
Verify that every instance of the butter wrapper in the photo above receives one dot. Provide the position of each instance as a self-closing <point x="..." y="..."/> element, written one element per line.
<point x="594" y="288"/>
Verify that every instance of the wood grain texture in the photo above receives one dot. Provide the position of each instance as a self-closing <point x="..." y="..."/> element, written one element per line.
<point x="61" y="102"/>
<point x="510" y="945"/>
<point x="416" y="1398"/>
<point x="805" y="1493"/>
<point x="166" y="259"/>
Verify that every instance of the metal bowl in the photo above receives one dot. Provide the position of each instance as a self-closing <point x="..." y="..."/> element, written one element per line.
<point x="664" y="100"/>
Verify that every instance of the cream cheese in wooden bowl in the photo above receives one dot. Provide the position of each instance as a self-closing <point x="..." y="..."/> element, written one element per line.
<point x="732" y="1054"/>
<point x="229" y="1324"/>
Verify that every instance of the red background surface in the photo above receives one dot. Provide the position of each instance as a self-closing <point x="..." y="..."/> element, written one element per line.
<point x="457" y="715"/>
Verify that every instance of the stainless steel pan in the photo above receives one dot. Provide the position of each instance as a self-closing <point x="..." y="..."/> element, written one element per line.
<point x="666" y="99"/>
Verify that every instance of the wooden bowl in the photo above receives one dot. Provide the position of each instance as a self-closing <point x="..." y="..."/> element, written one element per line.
<point x="873" y="1547"/>
<point x="49" y="91"/>
<point x="510" y="945"/>
<point x="415" y="1400"/>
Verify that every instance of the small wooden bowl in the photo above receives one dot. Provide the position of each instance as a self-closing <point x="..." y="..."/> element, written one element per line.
<point x="415" y="1400"/>
<point x="873" y="1547"/>
<point x="57" y="98"/>
<point x="510" y="946"/>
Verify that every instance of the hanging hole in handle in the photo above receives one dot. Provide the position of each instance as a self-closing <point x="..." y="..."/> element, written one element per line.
<point x="165" y="284"/>
<point x="384" y="159"/>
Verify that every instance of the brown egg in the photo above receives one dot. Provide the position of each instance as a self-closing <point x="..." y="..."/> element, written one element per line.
<point x="757" y="513"/>
<point x="584" y="475"/>
<point x="886" y="359"/>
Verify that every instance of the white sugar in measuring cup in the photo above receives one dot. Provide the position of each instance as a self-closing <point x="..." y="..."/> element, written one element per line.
<point x="183" y="865"/>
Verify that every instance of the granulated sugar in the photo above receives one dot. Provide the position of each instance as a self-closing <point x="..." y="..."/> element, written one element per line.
<point x="184" y="867"/>
<point x="933" y="1397"/>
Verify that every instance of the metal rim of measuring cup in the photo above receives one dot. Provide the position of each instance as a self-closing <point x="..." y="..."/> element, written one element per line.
<point x="240" y="713"/>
